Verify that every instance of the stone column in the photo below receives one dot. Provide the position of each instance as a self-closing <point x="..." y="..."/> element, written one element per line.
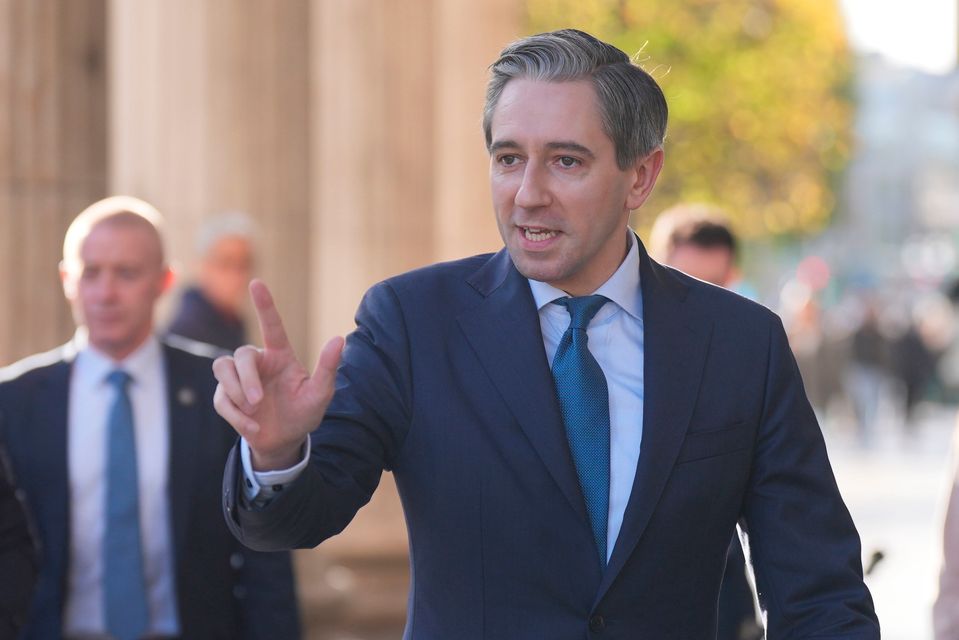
<point x="400" y="180"/>
<point x="470" y="35"/>
<point x="52" y="157"/>
<point x="209" y="104"/>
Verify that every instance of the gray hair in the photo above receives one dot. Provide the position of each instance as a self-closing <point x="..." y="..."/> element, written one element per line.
<point x="224" y="225"/>
<point x="632" y="105"/>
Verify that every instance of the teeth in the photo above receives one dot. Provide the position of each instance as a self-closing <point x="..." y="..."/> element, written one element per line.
<point x="538" y="235"/>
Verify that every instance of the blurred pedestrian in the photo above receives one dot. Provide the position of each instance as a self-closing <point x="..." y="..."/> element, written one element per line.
<point x="115" y="443"/>
<point x="211" y="310"/>
<point x="867" y="371"/>
<point x="697" y="239"/>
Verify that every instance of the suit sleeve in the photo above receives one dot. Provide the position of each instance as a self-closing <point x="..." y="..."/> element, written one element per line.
<point x="804" y="546"/>
<point x="362" y="432"/>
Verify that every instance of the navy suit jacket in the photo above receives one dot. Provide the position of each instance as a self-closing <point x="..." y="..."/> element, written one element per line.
<point x="223" y="591"/>
<point x="445" y="382"/>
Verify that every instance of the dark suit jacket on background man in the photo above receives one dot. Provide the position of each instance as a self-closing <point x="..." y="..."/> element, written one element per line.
<point x="223" y="590"/>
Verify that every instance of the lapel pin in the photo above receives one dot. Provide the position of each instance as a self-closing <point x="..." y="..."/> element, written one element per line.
<point x="186" y="397"/>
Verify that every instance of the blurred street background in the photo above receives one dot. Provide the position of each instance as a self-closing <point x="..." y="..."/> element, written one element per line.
<point x="349" y="131"/>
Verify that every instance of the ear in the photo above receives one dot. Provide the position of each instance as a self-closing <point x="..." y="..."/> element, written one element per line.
<point x="169" y="278"/>
<point x="644" y="172"/>
<point x="68" y="281"/>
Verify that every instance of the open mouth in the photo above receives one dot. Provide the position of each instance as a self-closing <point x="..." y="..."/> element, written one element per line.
<point x="538" y="234"/>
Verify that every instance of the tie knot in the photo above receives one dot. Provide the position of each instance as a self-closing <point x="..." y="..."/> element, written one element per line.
<point x="119" y="378"/>
<point x="582" y="309"/>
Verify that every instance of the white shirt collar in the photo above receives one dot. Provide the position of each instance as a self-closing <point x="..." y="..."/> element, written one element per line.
<point x="141" y="364"/>
<point x="622" y="287"/>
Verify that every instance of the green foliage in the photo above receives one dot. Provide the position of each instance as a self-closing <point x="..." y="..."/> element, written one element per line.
<point x="758" y="92"/>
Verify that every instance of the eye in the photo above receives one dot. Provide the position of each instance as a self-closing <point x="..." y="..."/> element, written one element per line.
<point x="127" y="273"/>
<point x="508" y="160"/>
<point x="568" y="162"/>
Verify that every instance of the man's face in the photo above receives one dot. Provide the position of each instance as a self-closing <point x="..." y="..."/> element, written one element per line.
<point x="113" y="288"/>
<point x="561" y="201"/>
<point x="225" y="272"/>
<point x="712" y="264"/>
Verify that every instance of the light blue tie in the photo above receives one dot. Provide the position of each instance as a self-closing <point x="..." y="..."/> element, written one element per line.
<point x="124" y="590"/>
<point x="584" y="402"/>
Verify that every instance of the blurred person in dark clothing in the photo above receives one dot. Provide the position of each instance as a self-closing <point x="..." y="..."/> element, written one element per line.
<point x="914" y="364"/>
<point x="18" y="555"/>
<point x="867" y="371"/>
<point x="115" y="443"/>
<point x="211" y="310"/>
<point x="696" y="239"/>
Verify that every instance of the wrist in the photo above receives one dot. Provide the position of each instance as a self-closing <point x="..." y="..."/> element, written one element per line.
<point x="276" y="460"/>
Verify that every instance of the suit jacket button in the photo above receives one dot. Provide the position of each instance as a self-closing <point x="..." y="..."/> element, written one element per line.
<point x="597" y="624"/>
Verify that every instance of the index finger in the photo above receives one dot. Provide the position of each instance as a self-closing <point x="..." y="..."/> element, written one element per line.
<point x="271" y="325"/>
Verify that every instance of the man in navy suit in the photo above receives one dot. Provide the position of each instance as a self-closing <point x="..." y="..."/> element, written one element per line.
<point x="146" y="556"/>
<point x="575" y="430"/>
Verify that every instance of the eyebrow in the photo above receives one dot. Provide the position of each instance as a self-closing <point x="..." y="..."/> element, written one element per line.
<point x="559" y="145"/>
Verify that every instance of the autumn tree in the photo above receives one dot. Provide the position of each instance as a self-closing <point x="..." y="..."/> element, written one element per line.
<point x="758" y="92"/>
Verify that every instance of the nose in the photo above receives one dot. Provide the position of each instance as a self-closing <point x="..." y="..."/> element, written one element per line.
<point x="106" y="288"/>
<point x="534" y="191"/>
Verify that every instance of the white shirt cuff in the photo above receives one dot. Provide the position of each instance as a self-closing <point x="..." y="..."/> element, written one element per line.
<point x="260" y="486"/>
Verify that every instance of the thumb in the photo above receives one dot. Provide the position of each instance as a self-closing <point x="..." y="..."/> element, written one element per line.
<point x="329" y="360"/>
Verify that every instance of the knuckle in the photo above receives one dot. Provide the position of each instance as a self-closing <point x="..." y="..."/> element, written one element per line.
<point x="244" y="352"/>
<point x="222" y="364"/>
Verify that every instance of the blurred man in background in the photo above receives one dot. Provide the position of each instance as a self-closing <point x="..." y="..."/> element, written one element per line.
<point x="211" y="311"/>
<point x="116" y="445"/>
<point x="697" y="240"/>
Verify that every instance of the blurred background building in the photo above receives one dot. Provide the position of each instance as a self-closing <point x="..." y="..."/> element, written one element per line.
<point x="350" y="131"/>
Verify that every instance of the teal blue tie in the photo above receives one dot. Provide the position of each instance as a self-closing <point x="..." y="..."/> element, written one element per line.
<point x="584" y="403"/>
<point x="124" y="588"/>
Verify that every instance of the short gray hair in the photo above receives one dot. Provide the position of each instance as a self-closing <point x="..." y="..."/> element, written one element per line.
<point x="224" y="225"/>
<point x="632" y="105"/>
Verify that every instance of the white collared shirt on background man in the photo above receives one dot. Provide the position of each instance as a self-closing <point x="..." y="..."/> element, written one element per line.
<point x="90" y="400"/>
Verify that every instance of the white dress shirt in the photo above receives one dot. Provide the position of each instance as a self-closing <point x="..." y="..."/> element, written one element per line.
<point x="91" y="397"/>
<point x="615" y="338"/>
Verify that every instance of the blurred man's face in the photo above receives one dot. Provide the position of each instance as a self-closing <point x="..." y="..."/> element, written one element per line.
<point x="115" y="284"/>
<point x="712" y="264"/>
<point x="562" y="202"/>
<point x="225" y="272"/>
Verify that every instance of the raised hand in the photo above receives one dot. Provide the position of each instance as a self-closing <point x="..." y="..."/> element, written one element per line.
<point x="267" y="395"/>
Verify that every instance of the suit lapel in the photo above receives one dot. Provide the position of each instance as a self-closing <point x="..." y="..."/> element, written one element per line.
<point x="504" y="331"/>
<point x="185" y="430"/>
<point x="675" y="353"/>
